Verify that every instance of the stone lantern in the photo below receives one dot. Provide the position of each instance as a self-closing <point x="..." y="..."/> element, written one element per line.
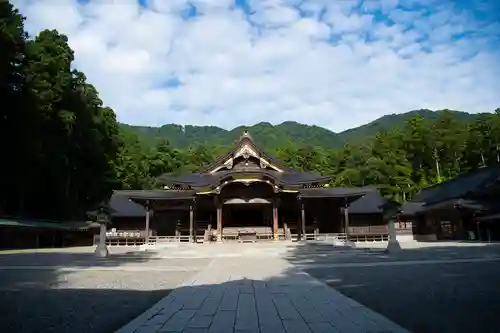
<point x="102" y="217"/>
<point x="391" y="209"/>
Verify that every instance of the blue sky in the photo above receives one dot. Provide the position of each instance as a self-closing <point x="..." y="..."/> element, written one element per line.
<point x="336" y="64"/>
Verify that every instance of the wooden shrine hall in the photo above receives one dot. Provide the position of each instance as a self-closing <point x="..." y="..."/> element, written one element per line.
<point x="246" y="194"/>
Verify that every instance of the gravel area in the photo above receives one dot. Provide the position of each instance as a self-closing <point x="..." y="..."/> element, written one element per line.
<point x="94" y="296"/>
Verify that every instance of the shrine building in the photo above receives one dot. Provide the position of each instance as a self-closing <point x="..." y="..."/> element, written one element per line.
<point x="246" y="194"/>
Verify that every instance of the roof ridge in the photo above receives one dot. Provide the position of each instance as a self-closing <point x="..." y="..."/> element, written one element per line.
<point x="465" y="175"/>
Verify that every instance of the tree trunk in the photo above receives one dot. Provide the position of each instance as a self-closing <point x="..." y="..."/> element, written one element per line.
<point x="437" y="170"/>
<point x="436" y="159"/>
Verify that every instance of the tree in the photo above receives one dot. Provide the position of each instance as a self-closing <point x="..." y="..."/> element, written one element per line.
<point x="14" y="116"/>
<point x="62" y="142"/>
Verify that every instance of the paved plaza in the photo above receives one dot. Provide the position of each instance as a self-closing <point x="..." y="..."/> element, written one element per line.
<point x="67" y="291"/>
<point x="444" y="289"/>
<point x="261" y="294"/>
<point x="279" y="287"/>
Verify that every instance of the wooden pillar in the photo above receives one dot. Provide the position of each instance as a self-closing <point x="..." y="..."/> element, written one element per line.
<point x="146" y="231"/>
<point x="346" y="219"/>
<point x="275" y="219"/>
<point x="219" y="220"/>
<point x="478" y="230"/>
<point x="192" y="236"/>
<point x="302" y="221"/>
<point x="195" y="222"/>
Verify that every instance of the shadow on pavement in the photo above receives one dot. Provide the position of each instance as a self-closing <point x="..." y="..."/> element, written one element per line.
<point x="38" y="300"/>
<point x="314" y="253"/>
<point x="434" y="297"/>
<point x="38" y="293"/>
<point x="73" y="310"/>
<point x="439" y="287"/>
<point x="66" y="258"/>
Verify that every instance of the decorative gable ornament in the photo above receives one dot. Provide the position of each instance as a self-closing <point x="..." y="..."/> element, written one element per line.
<point x="229" y="163"/>
<point x="246" y="151"/>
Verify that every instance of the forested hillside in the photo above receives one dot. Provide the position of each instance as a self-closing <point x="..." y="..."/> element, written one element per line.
<point x="63" y="151"/>
<point x="265" y="135"/>
<point x="390" y="121"/>
<point x="272" y="137"/>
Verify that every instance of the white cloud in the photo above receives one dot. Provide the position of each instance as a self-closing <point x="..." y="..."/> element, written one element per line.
<point x="338" y="66"/>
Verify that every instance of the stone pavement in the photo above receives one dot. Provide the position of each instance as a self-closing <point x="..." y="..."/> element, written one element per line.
<point x="257" y="295"/>
<point x="259" y="249"/>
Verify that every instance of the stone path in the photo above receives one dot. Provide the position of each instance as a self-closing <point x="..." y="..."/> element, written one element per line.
<point x="257" y="295"/>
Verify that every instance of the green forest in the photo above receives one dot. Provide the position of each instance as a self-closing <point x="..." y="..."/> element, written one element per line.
<point x="273" y="137"/>
<point x="64" y="152"/>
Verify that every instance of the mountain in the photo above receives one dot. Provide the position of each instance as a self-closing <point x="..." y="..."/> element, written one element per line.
<point x="395" y="120"/>
<point x="264" y="134"/>
<point x="273" y="136"/>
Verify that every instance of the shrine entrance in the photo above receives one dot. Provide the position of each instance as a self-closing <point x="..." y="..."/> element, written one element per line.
<point x="248" y="215"/>
<point x="247" y="209"/>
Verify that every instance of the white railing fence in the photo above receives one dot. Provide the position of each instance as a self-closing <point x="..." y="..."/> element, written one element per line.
<point x="318" y="237"/>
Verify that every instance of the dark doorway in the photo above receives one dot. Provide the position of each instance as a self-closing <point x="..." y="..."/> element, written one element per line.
<point x="248" y="215"/>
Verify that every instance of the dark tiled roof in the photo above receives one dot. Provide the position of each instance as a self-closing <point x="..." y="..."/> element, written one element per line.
<point x="489" y="217"/>
<point x="159" y="194"/>
<point x="284" y="178"/>
<point x="477" y="206"/>
<point x="460" y="186"/>
<point x="296" y="178"/>
<point x="411" y="208"/>
<point x="460" y="189"/>
<point x="204" y="179"/>
<point x="333" y="192"/>
<point x="125" y="203"/>
<point x="122" y="206"/>
<point x="18" y="222"/>
<point x="372" y="202"/>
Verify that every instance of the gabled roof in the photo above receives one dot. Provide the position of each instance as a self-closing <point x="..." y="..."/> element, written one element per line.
<point x="245" y="139"/>
<point x="200" y="180"/>
<point x="459" y="187"/>
<point x="457" y="191"/>
<point x="371" y="203"/>
<point x="157" y="194"/>
<point x="254" y="162"/>
<point x="411" y="208"/>
<point x="41" y="224"/>
<point x="122" y="206"/>
<point x="347" y="195"/>
<point x="477" y="206"/>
